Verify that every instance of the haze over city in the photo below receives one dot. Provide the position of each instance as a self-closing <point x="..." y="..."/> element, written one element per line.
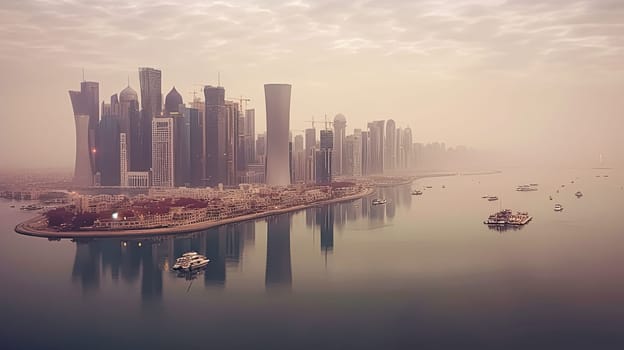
<point x="535" y="80"/>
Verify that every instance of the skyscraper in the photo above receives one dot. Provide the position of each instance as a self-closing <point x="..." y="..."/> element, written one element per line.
<point x="338" y="156"/>
<point x="215" y="133"/>
<point x="250" y="135"/>
<point x="390" y="149"/>
<point x="84" y="165"/>
<point x="310" y="156"/>
<point x="129" y="116"/>
<point x="232" y="114"/>
<point x="407" y="148"/>
<point x="299" y="158"/>
<point x="366" y="168"/>
<point x="108" y="151"/>
<point x="173" y="101"/>
<point x="277" y="100"/>
<point x="162" y="152"/>
<point x="261" y="148"/>
<point x="182" y="147"/>
<point x="324" y="158"/>
<point x="196" y="150"/>
<point x="123" y="159"/>
<point x="376" y="147"/>
<point x="357" y="152"/>
<point x="151" y="106"/>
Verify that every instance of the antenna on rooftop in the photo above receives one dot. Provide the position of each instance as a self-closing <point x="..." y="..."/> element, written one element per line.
<point x="218" y="78"/>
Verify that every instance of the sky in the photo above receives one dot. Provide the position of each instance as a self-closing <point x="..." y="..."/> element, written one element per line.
<point x="526" y="78"/>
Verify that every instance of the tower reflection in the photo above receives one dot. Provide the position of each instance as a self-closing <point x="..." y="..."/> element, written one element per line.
<point x="278" y="265"/>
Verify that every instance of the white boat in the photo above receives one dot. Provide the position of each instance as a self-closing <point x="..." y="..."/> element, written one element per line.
<point x="558" y="207"/>
<point x="416" y="193"/>
<point x="379" y="201"/>
<point x="492" y="198"/>
<point x="578" y="194"/>
<point x="195" y="262"/>
<point x="186" y="258"/>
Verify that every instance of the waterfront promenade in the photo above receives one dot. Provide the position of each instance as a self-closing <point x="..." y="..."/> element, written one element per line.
<point x="35" y="226"/>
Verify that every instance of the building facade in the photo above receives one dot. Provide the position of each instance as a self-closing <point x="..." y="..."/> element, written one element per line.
<point x="162" y="152"/>
<point x="277" y="99"/>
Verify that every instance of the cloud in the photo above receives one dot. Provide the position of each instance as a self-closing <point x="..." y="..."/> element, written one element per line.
<point x="462" y="35"/>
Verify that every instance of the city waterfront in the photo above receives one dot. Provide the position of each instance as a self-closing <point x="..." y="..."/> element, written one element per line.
<point x="418" y="272"/>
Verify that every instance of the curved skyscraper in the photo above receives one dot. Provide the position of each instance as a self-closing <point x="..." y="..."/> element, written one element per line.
<point x="277" y="167"/>
<point x="83" y="170"/>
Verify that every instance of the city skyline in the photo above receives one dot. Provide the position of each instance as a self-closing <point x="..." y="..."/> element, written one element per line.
<point x="417" y="63"/>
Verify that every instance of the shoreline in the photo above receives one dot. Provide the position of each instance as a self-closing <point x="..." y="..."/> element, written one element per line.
<point x="24" y="228"/>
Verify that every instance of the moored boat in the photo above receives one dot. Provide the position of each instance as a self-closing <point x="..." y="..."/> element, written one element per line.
<point x="379" y="201"/>
<point x="558" y="207"/>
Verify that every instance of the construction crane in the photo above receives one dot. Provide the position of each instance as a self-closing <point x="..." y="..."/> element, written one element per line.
<point x="241" y="99"/>
<point x="310" y="121"/>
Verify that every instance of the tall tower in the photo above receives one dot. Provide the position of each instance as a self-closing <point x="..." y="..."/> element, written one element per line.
<point x="232" y="114"/>
<point x="129" y="116"/>
<point x="250" y="135"/>
<point x="390" y="145"/>
<point x="277" y="99"/>
<point x="338" y="156"/>
<point x="162" y="152"/>
<point x="173" y="100"/>
<point x="151" y="106"/>
<point x="376" y="149"/>
<point x="83" y="166"/>
<point x="215" y="152"/>
<point x="324" y="158"/>
<point x="123" y="159"/>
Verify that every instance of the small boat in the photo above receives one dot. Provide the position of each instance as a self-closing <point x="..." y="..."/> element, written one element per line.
<point x="484" y="197"/>
<point x="533" y="185"/>
<point x="558" y="207"/>
<point x="189" y="261"/>
<point x="416" y="193"/>
<point x="605" y="175"/>
<point x="379" y="201"/>
<point x="443" y="186"/>
<point x="492" y="198"/>
<point x="571" y="181"/>
<point x="550" y="197"/>
<point x="563" y="185"/>
<point x="428" y="186"/>
<point x="578" y="194"/>
<point x="11" y="206"/>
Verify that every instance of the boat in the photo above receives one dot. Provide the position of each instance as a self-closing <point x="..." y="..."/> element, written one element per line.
<point x="558" y="207"/>
<point x="378" y="201"/>
<point x="484" y="197"/>
<point x="578" y="194"/>
<point x="492" y="198"/>
<point x="563" y="185"/>
<point x="11" y="206"/>
<point x="30" y="207"/>
<point x="571" y="181"/>
<point x="605" y="175"/>
<point x="534" y="185"/>
<point x="189" y="261"/>
<point x="550" y="197"/>
<point x="428" y="186"/>
<point x="507" y="217"/>
<point x="416" y="193"/>
<point x="443" y="186"/>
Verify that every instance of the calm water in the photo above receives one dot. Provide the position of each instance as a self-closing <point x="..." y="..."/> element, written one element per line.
<point x="420" y="272"/>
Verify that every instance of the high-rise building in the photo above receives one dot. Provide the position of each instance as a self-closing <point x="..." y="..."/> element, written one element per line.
<point x="376" y="149"/>
<point x="277" y="100"/>
<point x="123" y="159"/>
<point x="250" y="135"/>
<point x="173" y="102"/>
<point x="232" y="114"/>
<point x="261" y="148"/>
<point x="84" y="164"/>
<point x="215" y="134"/>
<point x="108" y="151"/>
<point x="357" y="153"/>
<point x="129" y="120"/>
<point x="196" y="146"/>
<point x="338" y="154"/>
<point x="182" y="147"/>
<point x="366" y="167"/>
<point x="310" y="156"/>
<point x="162" y="152"/>
<point x="324" y="158"/>
<point x="408" y="152"/>
<point x="299" y="158"/>
<point x="151" y="106"/>
<point x="390" y="149"/>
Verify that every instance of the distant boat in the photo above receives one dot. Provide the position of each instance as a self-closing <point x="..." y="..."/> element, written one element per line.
<point x="443" y="186"/>
<point x="562" y="185"/>
<point x="484" y="197"/>
<point x="605" y="175"/>
<point x="379" y="201"/>
<point x="492" y="198"/>
<point x="416" y="193"/>
<point x="428" y="186"/>
<point x="558" y="207"/>
<point x="550" y="197"/>
<point x="578" y="194"/>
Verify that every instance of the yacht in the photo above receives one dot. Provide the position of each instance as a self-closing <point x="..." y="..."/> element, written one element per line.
<point x="492" y="198"/>
<point x="558" y="207"/>
<point x="195" y="262"/>
<point x="379" y="201"/>
<point x="185" y="260"/>
<point x="579" y="194"/>
<point x="428" y="186"/>
<point x="416" y="193"/>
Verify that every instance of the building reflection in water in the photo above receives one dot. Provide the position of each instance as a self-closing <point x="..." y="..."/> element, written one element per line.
<point x="145" y="260"/>
<point x="278" y="265"/>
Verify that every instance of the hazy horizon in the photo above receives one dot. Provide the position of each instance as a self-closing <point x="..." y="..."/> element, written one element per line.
<point x="538" y="81"/>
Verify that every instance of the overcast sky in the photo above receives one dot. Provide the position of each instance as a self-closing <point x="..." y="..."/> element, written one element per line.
<point x="539" y="78"/>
